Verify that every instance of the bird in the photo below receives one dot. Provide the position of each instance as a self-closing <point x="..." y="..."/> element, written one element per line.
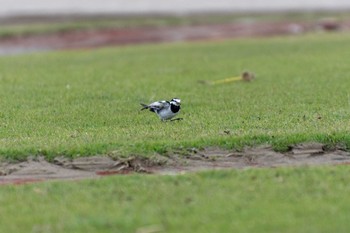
<point x="166" y="110"/>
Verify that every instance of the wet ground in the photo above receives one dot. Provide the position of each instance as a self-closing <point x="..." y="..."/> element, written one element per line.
<point x="86" y="39"/>
<point x="176" y="162"/>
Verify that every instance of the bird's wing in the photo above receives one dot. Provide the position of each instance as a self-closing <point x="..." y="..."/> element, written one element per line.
<point x="159" y="105"/>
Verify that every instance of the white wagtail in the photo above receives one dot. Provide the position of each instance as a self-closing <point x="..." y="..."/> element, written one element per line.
<point x="166" y="110"/>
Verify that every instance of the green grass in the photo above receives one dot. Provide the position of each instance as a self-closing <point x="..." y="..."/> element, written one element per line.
<point x="87" y="102"/>
<point x="254" y="200"/>
<point x="38" y="27"/>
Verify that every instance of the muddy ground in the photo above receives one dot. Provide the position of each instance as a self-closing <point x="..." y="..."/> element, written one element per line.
<point x="85" y="39"/>
<point x="192" y="160"/>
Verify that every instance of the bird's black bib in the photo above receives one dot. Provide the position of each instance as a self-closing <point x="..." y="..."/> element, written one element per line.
<point x="174" y="108"/>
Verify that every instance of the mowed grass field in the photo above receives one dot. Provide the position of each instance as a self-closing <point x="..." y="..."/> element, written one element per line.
<point x="255" y="200"/>
<point x="80" y="103"/>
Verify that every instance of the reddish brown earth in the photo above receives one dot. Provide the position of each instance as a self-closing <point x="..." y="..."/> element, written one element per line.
<point x="83" y="39"/>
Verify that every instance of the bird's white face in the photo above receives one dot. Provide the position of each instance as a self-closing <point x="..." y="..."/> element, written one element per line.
<point x="176" y="101"/>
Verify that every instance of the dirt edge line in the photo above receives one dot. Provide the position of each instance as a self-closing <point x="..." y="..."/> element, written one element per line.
<point x="177" y="162"/>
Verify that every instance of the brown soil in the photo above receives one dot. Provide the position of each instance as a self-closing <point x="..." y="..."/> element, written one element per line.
<point x="38" y="169"/>
<point x="83" y="39"/>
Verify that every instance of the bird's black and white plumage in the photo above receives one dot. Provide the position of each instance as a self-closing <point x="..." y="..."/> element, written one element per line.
<point x="166" y="110"/>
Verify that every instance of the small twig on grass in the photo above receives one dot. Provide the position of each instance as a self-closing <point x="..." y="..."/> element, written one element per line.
<point x="245" y="76"/>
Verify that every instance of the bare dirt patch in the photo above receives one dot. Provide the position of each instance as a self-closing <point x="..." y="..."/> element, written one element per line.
<point x="85" y="39"/>
<point x="193" y="160"/>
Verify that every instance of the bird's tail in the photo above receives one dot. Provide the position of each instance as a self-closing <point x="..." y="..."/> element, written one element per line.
<point x="144" y="106"/>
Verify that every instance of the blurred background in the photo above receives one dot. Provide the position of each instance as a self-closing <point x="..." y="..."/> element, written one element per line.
<point x="41" y="25"/>
<point x="32" y="7"/>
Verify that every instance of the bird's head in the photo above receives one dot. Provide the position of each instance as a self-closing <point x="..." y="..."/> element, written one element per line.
<point x="175" y="101"/>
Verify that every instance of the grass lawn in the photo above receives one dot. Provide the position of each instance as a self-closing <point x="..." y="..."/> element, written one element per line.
<point x="87" y="102"/>
<point x="254" y="200"/>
